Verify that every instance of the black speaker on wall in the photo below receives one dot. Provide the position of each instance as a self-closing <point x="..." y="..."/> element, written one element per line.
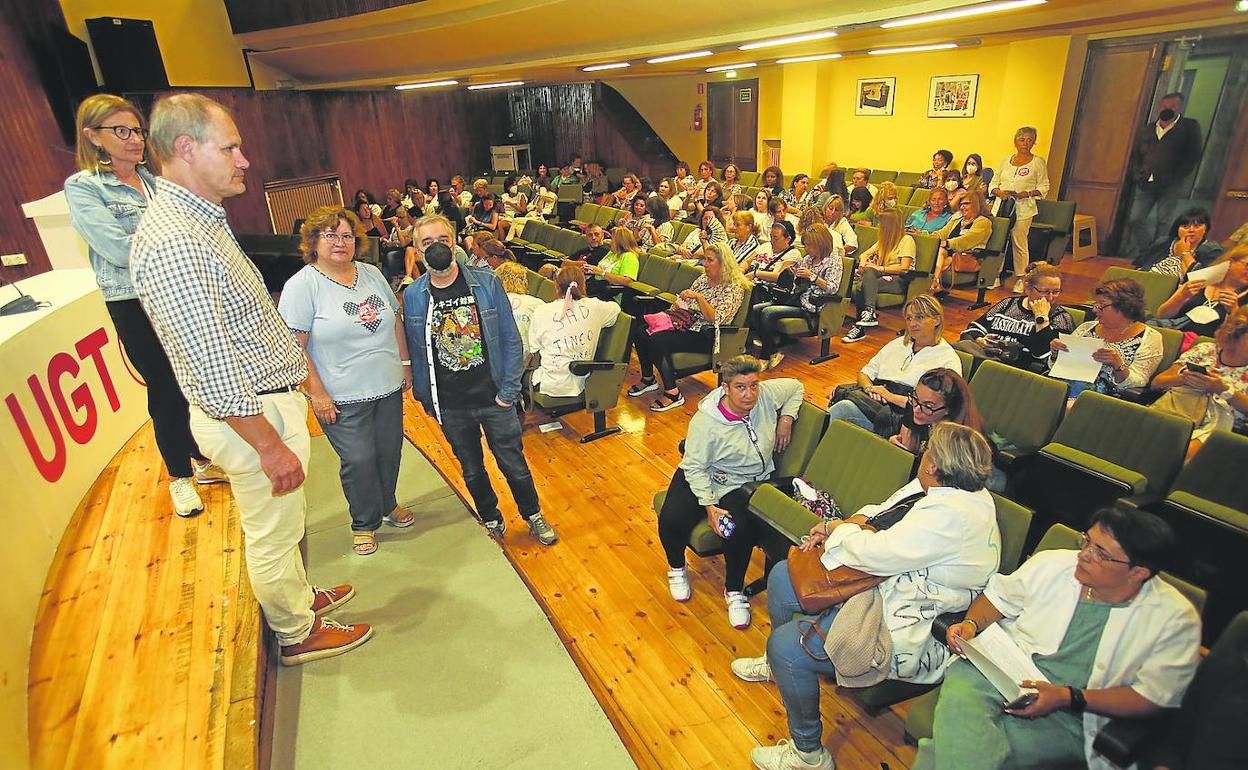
<point x="128" y="54"/>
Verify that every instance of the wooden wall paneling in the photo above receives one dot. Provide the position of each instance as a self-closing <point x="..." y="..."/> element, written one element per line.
<point x="250" y="16"/>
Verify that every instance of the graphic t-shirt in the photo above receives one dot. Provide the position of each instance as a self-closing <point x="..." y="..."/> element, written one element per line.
<point x="460" y="360"/>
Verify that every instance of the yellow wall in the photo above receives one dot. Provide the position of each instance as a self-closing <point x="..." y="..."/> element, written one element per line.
<point x="667" y="105"/>
<point x="195" y="38"/>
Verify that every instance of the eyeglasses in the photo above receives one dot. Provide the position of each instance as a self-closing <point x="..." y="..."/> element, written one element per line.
<point x="1099" y="554"/>
<point x="926" y="406"/>
<point x="344" y="238"/>
<point x="1047" y="292"/>
<point x="123" y="132"/>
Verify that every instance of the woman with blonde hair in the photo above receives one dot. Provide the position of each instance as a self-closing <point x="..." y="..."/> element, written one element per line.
<point x="515" y="280"/>
<point x="615" y="270"/>
<point x="885" y="199"/>
<point x="880" y="271"/>
<point x="106" y="199"/>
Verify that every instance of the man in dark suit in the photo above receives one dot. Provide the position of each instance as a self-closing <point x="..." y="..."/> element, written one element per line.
<point x="1165" y="153"/>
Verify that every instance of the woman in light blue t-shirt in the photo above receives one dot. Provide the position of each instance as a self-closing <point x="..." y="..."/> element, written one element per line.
<point x="348" y="321"/>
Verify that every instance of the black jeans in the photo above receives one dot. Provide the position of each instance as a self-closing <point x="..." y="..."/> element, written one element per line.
<point x="501" y="425"/>
<point x="658" y="348"/>
<point x="681" y="513"/>
<point x="171" y="417"/>
<point x="766" y="319"/>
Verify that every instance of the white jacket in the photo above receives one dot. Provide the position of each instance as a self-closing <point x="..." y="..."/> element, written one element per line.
<point x="566" y="335"/>
<point x="940" y="556"/>
<point x="1151" y="645"/>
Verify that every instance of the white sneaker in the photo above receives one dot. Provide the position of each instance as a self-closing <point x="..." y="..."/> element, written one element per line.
<point x="186" y="500"/>
<point x="752" y="669"/>
<point x="209" y="473"/>
<point x="784" y="756"/>
<point x="738" y="609"/>
<point x="678" y="584"/>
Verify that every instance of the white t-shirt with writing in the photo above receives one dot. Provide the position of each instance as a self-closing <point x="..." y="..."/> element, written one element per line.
<point x="563" y="337"/>
<point x="522" y="307"/>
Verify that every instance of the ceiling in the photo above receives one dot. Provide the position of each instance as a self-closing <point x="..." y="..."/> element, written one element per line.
<point x="481" y="41"/>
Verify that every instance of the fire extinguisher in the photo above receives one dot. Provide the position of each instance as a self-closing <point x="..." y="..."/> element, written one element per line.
<point x="697" y="118"/>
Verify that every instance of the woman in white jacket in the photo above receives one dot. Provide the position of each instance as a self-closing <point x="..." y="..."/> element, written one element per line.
<point x="732" y="439"/>
<point x="937" y="559"/>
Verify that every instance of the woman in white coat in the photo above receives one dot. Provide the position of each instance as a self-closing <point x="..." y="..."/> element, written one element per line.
<point x="937" y="559"/>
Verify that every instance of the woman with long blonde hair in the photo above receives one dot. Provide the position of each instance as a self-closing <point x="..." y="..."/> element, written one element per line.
<point x="880" y="271"/>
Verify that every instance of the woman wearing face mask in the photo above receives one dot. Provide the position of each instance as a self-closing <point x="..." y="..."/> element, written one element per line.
<point x="1024" y="177"/>
<point x="974" y="175"/>
<point x="885" y="200"/>
<point x="1199" y="306"/>
<point x="935" y="176"/>
<point x="953" y="187"/>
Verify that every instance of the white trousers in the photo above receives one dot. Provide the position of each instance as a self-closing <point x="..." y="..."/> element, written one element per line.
<point x="272" y="526"/>
<point x="1018" y="237"/>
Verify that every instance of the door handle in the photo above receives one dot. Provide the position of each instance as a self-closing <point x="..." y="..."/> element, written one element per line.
<point x="1239" y="194"/>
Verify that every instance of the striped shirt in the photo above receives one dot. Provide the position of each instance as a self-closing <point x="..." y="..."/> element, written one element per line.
<point x="209" y="307"/>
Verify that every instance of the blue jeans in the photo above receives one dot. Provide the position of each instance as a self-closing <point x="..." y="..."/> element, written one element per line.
<point x="1151" y="210"/>
<point x="845" y="410"/>
<point x="368" y="438"/>
<point x="501" y="425"/>
<point x="796" y="670"/>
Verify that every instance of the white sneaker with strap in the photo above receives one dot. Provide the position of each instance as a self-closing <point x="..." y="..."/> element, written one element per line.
<point x="186" y="502"/>
<point x="785" y="756"/>
<point x="738" y="609"/>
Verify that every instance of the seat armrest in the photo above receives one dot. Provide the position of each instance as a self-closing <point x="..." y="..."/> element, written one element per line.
<point x="942" y="624"/>
<point x="1121" y="740"/>
<point x="582" y="368"/>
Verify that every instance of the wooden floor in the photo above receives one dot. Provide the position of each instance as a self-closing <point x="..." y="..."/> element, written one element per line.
<point x="659" y="668"/>
<point x="147" y="634"/>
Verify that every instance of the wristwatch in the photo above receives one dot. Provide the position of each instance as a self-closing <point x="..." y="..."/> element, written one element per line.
<point x="1077" y="702"/>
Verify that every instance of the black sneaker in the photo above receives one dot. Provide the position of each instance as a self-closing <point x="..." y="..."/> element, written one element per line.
<point x="496" y="527"/>
<point x="540" y="529"/>
<point x="856" y="334"/>
<point x="868" y="317"/>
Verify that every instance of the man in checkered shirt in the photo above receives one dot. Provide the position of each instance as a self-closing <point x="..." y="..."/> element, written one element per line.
<point x="236" y="362"/>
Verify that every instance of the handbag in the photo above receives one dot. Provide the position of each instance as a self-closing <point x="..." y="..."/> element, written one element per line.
<point x="674" y="319"/>
<point x="885" y="418"/>
<point x="965" y="262"/>
<point x="1184" y="402"/>
<point x="817" y="588"/>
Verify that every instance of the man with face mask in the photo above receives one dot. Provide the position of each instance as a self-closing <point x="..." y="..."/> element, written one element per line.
<point x="467" y="358"/>
<point x="1165" y="153"/>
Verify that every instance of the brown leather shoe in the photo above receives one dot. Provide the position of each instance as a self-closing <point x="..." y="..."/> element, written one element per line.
<point x="328" y="638"/>
<point x="326" y="599"/>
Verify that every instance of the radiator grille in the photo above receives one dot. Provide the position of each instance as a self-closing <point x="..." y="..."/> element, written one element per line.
<point x="292" y="199"/>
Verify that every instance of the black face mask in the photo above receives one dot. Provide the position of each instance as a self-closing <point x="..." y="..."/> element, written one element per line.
<point x="1167" y="115"/>
<point x="438" y="257"/>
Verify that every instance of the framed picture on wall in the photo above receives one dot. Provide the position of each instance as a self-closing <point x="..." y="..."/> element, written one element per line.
<point x="952" y="96"/>
<point x="875" y="96"/>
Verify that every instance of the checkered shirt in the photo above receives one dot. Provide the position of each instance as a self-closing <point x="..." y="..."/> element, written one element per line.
<point x="209" y="307"/>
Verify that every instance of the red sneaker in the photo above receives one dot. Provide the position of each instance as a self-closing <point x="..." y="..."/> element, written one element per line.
<point x="328" y="638"/>
<point x="326" y="599"/>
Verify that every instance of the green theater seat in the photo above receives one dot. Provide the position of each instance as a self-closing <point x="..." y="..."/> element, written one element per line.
<point x="605" y="377"/>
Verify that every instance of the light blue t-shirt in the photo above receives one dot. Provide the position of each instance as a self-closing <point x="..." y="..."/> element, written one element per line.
<point x="350" y="331"/>
<point x="919" y="221"/>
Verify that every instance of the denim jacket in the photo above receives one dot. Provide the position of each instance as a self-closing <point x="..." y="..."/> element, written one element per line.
<point x="505" y="350"/>
<point x="105" y="212"/>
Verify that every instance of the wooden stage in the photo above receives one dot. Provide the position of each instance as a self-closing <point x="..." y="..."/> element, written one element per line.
<point x="148" y="644"/>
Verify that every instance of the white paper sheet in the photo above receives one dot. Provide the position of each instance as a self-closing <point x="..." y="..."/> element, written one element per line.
<point x="1076" y="363"/>
<point x="1001" y="661"/>
<point x="1211" y="274"/>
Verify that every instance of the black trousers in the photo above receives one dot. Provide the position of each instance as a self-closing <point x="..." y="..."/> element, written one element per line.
<point x="657" y="349"/>
<point x="171" y="417"/>
<point x="681" y="513"/>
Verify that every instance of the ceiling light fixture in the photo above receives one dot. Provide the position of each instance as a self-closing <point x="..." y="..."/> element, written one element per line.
<point x="816" y="57"/>
<point x="598" y="67"/>
<point x="678" y="57"/>
<point x="429" y="84"/>
<point x="726" y="67"/>
<point x="960" y="13"/>
<point x="508" y="84"/>
<point x="787" y="40"/>
<point x="912" y="49"/>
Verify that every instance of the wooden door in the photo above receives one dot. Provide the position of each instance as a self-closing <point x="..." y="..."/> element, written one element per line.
<point x="732" y="123"/>
<point x="1117" y="83"/>
<point x="1231" y="207"/>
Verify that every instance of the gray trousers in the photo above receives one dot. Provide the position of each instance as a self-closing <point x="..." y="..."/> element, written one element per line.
<point x="873" y="284"/>
<point x="368" y="437"/>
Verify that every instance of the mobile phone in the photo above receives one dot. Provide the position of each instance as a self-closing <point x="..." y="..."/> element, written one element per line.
<point x="1199" y="369"/>
<point x="1022" y="701"/>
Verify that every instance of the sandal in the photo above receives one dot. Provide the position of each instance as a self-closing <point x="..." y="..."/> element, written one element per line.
<point x="400" y="517"/>
<point x="667" y="401"/>
<point x="363" y="543"/>
<point x="642" y="387"/>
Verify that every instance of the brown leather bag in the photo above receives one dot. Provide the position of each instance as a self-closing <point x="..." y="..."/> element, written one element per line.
<point x="965" y="263"/>
<point x="818" y="588"/>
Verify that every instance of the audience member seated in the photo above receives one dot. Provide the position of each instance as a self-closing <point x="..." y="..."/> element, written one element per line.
<point x="411" y="186"/>
<point x="565" y="177"/>
<point x="934" y="215"/>
<point x="515" y="203"/>
<point x="690" y="325"/>
<point x="813" y="278"/>
<point x="860" y="204"/>
<point x="1111" y="638"/>
<point x="615" y="270"/>
<point x="478" y="255"/>
<point x="364" y="196"/>
<point x="974" y="175"/>
<point x="798" y="196"/>
<point x="710" y="232"/>
<point x="733" y="439"/>
<point x="1188" y="245"/>
<point x="834" y="183"/>
<point x="634" y="216"/>
<point x="1132" y="349"/>
<point x="542" y="179"/>
<point x="858" y="181"/>
<point x="591" y="254"/>
<point x="744" y="240"/>
<point x="1199" y="306"/>
<point x="952" y="186"/>
<point x="394" y="247"/>
<point x="370" y="217"/>
<point x="879" y="399"/>
<point x="768" y="262"/>
<point x="515" y="280"/>
<point x="483" y="219"/>
<point x="1018" y="329"/>
<point x="935" y="176"/>
<point x="1209" y="383"/>
<point x="772" y="180"/>
<point x="881" y="270"/>
<point x="389" y="211"/>
<point x="629" y="188"/>
<point x="834" y="217"/>
<point x="735" y="203"/>
<point x="480" y="188"/>
<point x="673" y="197"/>
<point x="567" y="330"/>
<point x="732" y="181"/>
<point x="433" y="195"/>
<point x="762" y="217"/>
<point x="463" y="197"/>
<point x="885" y="199"/>
<point x="778" y="211"/>
<point x="449" y="207"/>
<point x="657" y="226"/>
<point x="940" y="395"/>
<point x="685" y="181"/>
<point x="712" y="197"/>
<point x="706" y="175"/>
<point x="936" y="558"/>
<point x="960" y="238"/>
<point x="596" y="187"/>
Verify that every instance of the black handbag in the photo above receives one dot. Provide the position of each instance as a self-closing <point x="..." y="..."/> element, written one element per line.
<point x="885" y="418"/>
